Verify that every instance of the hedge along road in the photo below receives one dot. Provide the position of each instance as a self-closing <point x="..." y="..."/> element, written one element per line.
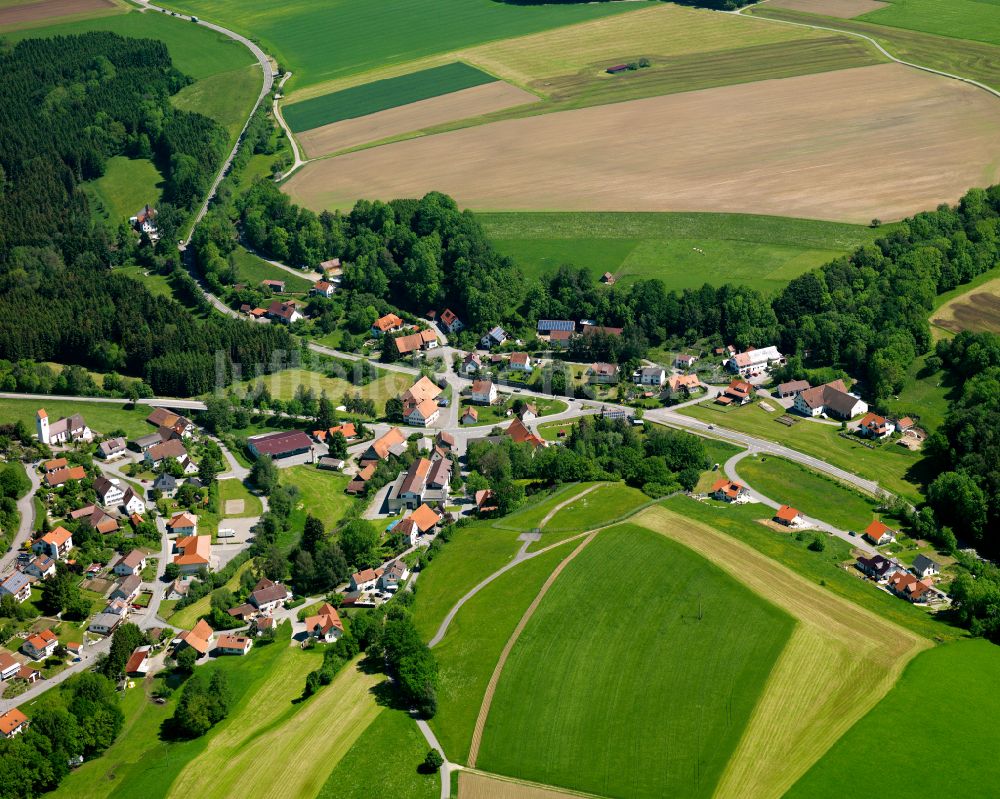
<point x="265" y="89"/>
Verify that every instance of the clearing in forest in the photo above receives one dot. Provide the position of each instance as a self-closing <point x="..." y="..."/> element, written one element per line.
<point x="882" y="141"/>
<point x="977" y="310"/>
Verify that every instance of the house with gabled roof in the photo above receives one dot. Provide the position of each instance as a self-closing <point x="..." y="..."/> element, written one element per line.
<point x="603" y="373"/>
<point x="389" y="323"/>
<point x="112" y="448"/>
<point x="393" y="442"/>
<point x="109" y="492"/>
<point x="924" y="566"/>
<point x="325" y="625"/>
<point x="194" y="552"/>
<point x="831" y="399"/>
<point x="450" y="321"/>
<point x="228" y="644"/>
<point x="183" y="523"/>
<point x="393" y="576"/>
<point x="63" y="431"/>
<point x="172" y="448"/>
<point x="520" y="434"/>
<point x="650" y="376"/>
<point x="322" y="288"/>
<point x="13" y="722"/>
<point x="133" y="502"/>
<point x="40" y="645"/>
<point x="738" y="392"/>
<point x="139" y="662"/>
<point x="420" y="522"/>
<point x="484" y="392"/>
<point x="486" y="501"/>
<point x="494" y="338"/>
<point x="198" y="638"/>
<point x="879" y="533"/>
<point x="8" y="666"/>
<point x="874" y="426"/>
<point x="267" y="595"/>
<point x="423" y="414"/>
<point x="788" y="516"/>
<point x="132" y="563"/>
<point x="730" y="491"/>
<point x="284" y="312"/>
<point x="60" y="476"/>
<point x="365" y="580"/>
<point x="755" y="360"/>
<point x="16" y="585"/>
<point x="359" y="485"/>
<point x="906" y="586"/>
<point x="471" y="364"/>
<point x="521" y="362"/>
<point x="56" y="543"/>
<point x="469" y="416"/>
<point x="43" y="567"/>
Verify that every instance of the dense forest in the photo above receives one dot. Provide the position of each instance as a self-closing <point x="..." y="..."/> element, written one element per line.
<point x="70" y="103"/>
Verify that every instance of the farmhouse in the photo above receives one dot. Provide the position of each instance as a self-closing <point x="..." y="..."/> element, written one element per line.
<point x="112" y="448"/>
<point x="424" y="481"/>
<point x="424" y="414"/>
<point x="268" y="595"/>
<point x="603" y="373"/>
<point x="730" y="491"/>
<point x="879" y="533"/>
<point x="753" y="360"/>
<point x="389" y="323"/>
<point x="423" y="389"/>
<point x="13" y="722"/>
<point x="64" y="431"/>
<point x="233" y="644"/>
<point x="450" y="321"/>
<point x="132" y="563"/>
<point x="8" y="666"/>
<point x="923" y="566"/>
<point x="16" y="585"/>
<point x="831" y="399"/>
<point x="392" y="443"/>
<point x="284" y="312"/>
<point x="40" y="645"/>
<point x="102" y="522"/>
<point x="650" y="376"/>
<point x="55" y="543"/>
<point x="326" y="624"/>
<point x="163" y="418"/>
<point x="283" y="444"/>
<point x="60" y="476"/>
<point x="484" y="392"/>
<point x="788" y="516"/>
<point x="792" y="388"/>
<point x="193" y="553"/>
<point x="494" y="338"/>
<point x="874" y="426"/>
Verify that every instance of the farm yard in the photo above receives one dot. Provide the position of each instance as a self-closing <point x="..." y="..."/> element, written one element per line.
<point x="683" y="250"/>
<point x="528" y="164"/>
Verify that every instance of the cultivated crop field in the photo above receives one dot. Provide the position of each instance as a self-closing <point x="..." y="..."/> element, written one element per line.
<point x="683" y="250"/>
<point x="977" y="310"/>
<point x="633" y="699"/>
<point x="831" y="8"/>
<point x="960" y="19"/>
<point x="32" y="13"/>
<point x="886" y="163"/>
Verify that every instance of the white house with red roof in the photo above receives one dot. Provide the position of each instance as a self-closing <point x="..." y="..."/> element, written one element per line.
<point x="55" y="543"/>
<point x="39" y="646"/>
<point x="325" y="625"/>
<point x="322" y="288"/>
<point x="729" y="491"/>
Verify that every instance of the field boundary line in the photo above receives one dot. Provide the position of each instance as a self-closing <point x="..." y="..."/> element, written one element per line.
<point x="484" y="709"/>
<point x="870" y="40"/>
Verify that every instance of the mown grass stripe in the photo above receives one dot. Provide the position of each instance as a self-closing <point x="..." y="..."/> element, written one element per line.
<point x="380" y="95"/>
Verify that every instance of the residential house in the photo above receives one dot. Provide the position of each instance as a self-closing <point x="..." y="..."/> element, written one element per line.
<point x="521" y="362"/>
<point x="54" y="465"/>
<point x="183" y="523"/>
<point x="831" y="399"/>
<point x="650" y="376"/>
<point x="233" y="644"/>
<point x="166" y="420"/>
<point x="876" y="567"/>
<point x="127" y="588"/>
<point x="145" y="222"/>
<point x="730" y="491"/>
<point x="423" y="415"/>
<point x="392" y="443"/>
<point x="322" y="288"/>
<point x="109" y="492"/>
<point x="132" y="502"/>
<point x="688" y="383"/>
<point x="166" y="484"/>
<point x="105" y="623"/>
<point x="359" y="485"/>
<point x="284" y="312"/>
<point x="64" y="431"/>
<point x="389" y="323"/>
<point x="469" y="416"/>
<point x="75" y="649"/>
<point x="394" y="576"/>
<point x="198" y="638"/>
<point x="421" y="340"/>
<point x="409" y="489"/>
<point x="420" y="522"/>
<point x="792" y="388"/>
<point x="685" y="361"/>
<point x="755" y="360"/>
<point x="326" y="624"/>
<point x="471" y="364"/>
<point x="177" y="589"/>
<point x="13" y="722"/>
<point x="261" y="625"/>
<point x="132" y="563"/>
<point x="486" y="501"/>
<point x="16" y="585"/>
<point x="112" y="448"/>
<point x="484" y="392"/>
<point x="522" y="435"/>
<point x="8" y="666"/>
<point x="879" y="533"/>
<point x="546" y="327"/>
<point x="450" y="321"/>
<point x="923" y="566"/>
<point x="157" y="454"/>
<point x="139" y="662"/>
<point x="494" y="338"/>
<point x="55" y="543"/>
<point x="906" y="586"/>
<point x="39" y="646"/>
<point x="118" y="606"/>
<point x="444" y="441"/>
<point x="103" y="522"/>
<point x="60" y="476"/>
<point x="529" y="412"/>
<point x="277" y="286"/>
<point x="193" y="553"/>
<point x="738" y="392"/>
<point x="268" y="595"/>
<point x="788" y="516"/>
<point x="145" y="443"/>
<point x="874" y="426"/>
<point x="421" y="391"/>
<point x="283" y="444"/>
<point x="603" y="373"/>
<point x="905" y="425"/>
<point x="41" y="567"/>
<point x="365" y="580"/>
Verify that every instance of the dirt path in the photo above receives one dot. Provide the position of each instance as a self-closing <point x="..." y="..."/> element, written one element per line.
<point x="561" y="505"/>
<point x="484" y="710"/>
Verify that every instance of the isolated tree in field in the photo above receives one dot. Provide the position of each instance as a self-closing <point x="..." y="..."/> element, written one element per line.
<point x="433" y="761"/>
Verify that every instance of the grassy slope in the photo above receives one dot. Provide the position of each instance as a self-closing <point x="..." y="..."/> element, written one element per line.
<point x="892" y="466"/>
<point x="809" y="492"/>
<point x="530" y="516"/>
<point x="761" y="251"/>
<point x="615" y="711"/>
<point x="951" y="691"/>
<point x="391" y="748"/>
<point x="824" y="568"/>
<point x="100" y="416"/>
<point x="961" y="19"/>
<point x="253" y="270"/>
<point x="127" y="185"/>
<point x="602" y="506"/>
<point x="320" y="43"/>
<point x="321" y="493"/>
<point x="370" y="98"/>
<point x="188" y="616"/>
<point x="924" y="397"/>
<point x="226" y="97"/>
<point x="284" y="383"/>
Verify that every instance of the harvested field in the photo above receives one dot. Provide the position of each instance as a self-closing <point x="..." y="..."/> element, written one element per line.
<point x="26" y="13"/>
<point x="477" y="785"/>
<point x="977" y="310"/>
<point x="844" y="9"/>
<point x="471" y="102"/>
<point x="841" y="660"/>
<point x="881" y="141"/>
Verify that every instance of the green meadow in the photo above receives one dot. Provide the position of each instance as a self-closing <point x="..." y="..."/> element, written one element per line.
<point x="125" y="187"/>
<point x="634" y="698"/>
<point x="102" y="417"/>
<point x="381" y="95"/>
<point x="684" y="250"/>
<point x="960" y="19"/>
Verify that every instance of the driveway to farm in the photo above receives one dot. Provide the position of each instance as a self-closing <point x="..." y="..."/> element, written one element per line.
<point x="26" y="509"/>
<point x="296" y="158"/>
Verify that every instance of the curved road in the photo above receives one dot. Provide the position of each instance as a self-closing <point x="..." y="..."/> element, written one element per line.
<point x="26" y="509"/>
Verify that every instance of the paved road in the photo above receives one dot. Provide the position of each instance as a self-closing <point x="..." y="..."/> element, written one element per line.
<point x="87" y="659"/>
<point x="25" y="507"/>
<point x="173" y="403"/>
<point x="447" y="766"/>
<point x="297" y="160"/>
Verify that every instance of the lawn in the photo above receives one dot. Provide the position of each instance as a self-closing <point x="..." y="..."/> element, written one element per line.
<point x="822" y="568"/>
<point x="369" y="98"/>
<point x="924" y="397"/>
<point x="392" y="748"/>
<point x="893" y="467"/>
<point x="760" y="251"/>
<point x="321" y="43"/>
<point x="234" y="489"/>
<point x="321" y="493"/>
<point x="634" y="699"/>
<point x="530" y="516"/>
<point x="955" y="753"/>
<point x="283" y="385"/>
<point x="494" y="414"/>
<point x="815" y="495"/>
<point x="225" y="97"/>
<point x="100" y="416"/>
<point x="188" y="616"/>
<point x="125" y="187"/>
<point x="253" y="270"/>
<point x="468" y="654"/>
